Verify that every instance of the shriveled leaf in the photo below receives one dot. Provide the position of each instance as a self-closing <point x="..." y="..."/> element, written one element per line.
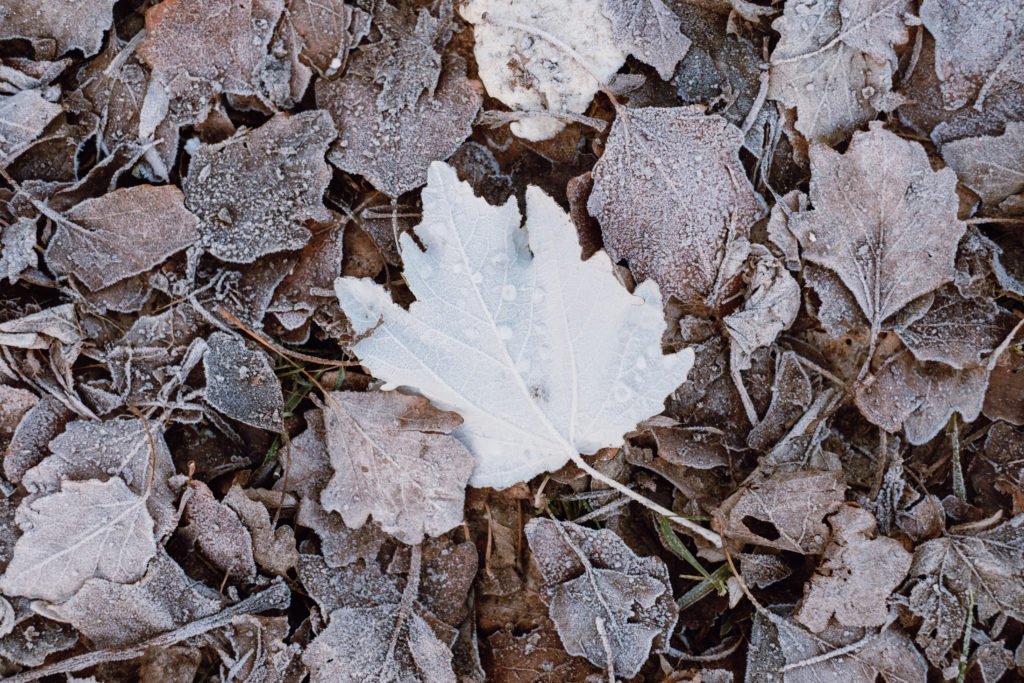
<point x="273" y="549"/>
<point x="528" y="73"/>
<point x="500" y="337"/>
<point x="178" y="664"/>
<point x="878" y="207"/>
<point x="77" y="25"/>
<point x="394" y="457"/>
<point x="17" y="248"/>
<point x="23" y="116"/>
<point x="320" y="262"/>
<point x="355" y="646"/>
<point x="673" y="199"/>
<point x="329" y="30"/>
<point x="393" y="147"/>
<point x="856" y="576"/>
<point x="785" y="510"/>
<point x="120" y="234"/>
<point x="14" y="405"/>
<point x="760" y="569"/>
<point x="30" y="441"/>
<point x="791" y="396"/>
<point x="37" y="330"/>
<point x="834" y="63"/>
<point x="946" y="569"/>
<point x="253" y="192"/>
<point x="921" y="397"/>
<point x="115" y="448"/>
<point x="112" y="614"/>
<point x="649" y="31"/>
<point x="773" y="300"/>
<point x="89" y="529"/>
<point x="241" y="383"/>
<point x="957" y="330"/>
<point x="1004" y="399"/>
<point x="35" y="639"/>
<point x="258" y="650"/>
<point x="597" y="583"/>
<point x="218" y="533"/>
<point x="991" y="166"/>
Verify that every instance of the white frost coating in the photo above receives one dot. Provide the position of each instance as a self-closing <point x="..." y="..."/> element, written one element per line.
<point x="538" y="377"/>
<point x="527" y="72"/>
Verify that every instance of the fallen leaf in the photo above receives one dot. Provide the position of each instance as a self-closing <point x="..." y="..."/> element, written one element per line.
<point x="169" y="665"/>
<point x="329" y="30"/>
<point x="856" y="576"/>
<point x="23" y="117"/>
<point x="1004" y="399"/>
<point x="320" y="262"/>
<point x="38" y="330"/>
<point x="760" y="569"/>
<point x="921" y="397"/>
<point x="253" y="192"/>
<point x="649" y="31"/>
<point x="218" y="533"/>
<point x="597" y="584"/>
<point x="771" y="306"/>
<point x="490" y="316"/>
<point x="260" y="653"/>
<point x="78" y="26"/>
<point x="791" y="396"/>
<point x="672" y="198"/>
<point x="17" y="249"/>
<point x="523" y="69"/>
<point x="89" y="529"/>
<point x="35" y="639"/>
<point x="15" y="403"/>
<point x="991" y="166"/>
<point x="30" y="442"/>
<point x="241" y="383"/>
<point x="120" y="234"/>
<point x="273" y="549"/>
<point x="534" y="657"/>
<point x="359" y="584"/>
<point x="911" y="217"/>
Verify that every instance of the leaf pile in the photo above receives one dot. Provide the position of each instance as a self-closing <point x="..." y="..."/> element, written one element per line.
<point x="547" y="340"/>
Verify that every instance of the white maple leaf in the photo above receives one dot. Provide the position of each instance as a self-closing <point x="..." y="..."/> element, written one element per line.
<point x="545" y="356"/>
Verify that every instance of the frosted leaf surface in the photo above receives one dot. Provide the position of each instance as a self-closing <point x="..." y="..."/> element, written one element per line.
<point x="89" y="529"/>
<point x="241" y="383"/>
<point x="218" y="533"/>
<point x="772" y="303"/>
<point x="526" y="71"/>
<point x="70" y="25"/>
<point x="17" y="248"/>
<point x="543" y="357"/>
<point x="272" y="548"/>
<point x="911" y="217"/>
<point x="329" y="29"/>
<point x="393" y="457"/>
<point x="649" y="31"/>
<point x="991" y="166"/>
<point x="23" y="116"/>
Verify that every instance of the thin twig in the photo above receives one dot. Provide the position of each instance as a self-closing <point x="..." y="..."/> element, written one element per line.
<point x="609" y="656"/>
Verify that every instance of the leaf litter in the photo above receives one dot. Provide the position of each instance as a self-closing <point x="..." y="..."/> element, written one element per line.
<point x="283" y="398"/>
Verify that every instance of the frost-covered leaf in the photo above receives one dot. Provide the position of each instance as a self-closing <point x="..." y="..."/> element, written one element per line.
<point x="35" y="639"/>
<point x="23" y="116"/>
<point x="218" y="533"/>
<point x="991" y="166"/>
<point x="15" y="403"/>
<point x="543" y="356"/>
<point x="273" y="549"/>
<point x="946" y="569"/>
<point x="394" y="457"/>
<point x="773" y="300"/>
<point x="30" y="441"/>
<point x="597" y="583"/>
<point x="673" y="199"/>
<point x="89" y="529"/>
<point x="120" y="234"/>
<point x="253" y="192"/>
<point x="329" y="29"/>
<point x="785" y="510"/>
<point x="17" y="248"/>
<point x="878" y="207"/>
<point x="111" y="614"/>
<point x="791" y="396"/>
<point x="320" y="262"/>
<point x="1004" y="399"/>
<point x="356" y="585"/>
<point x="920" y="396"/>
<point x="856" y="575"/>
<point x="394" y="147"/>
<point x="535" y="657"/>
<point x="834" y="62"/>
<point x="241" y="383"/>
<point x="649" y="31"/>
<point x="76" y="25"/>
<point x="957" y="330"/>
<point x="38" y="330"/>
<point x="974" y="42"/>
<point x="115" y="448"/>
<point x="528" y="72"/>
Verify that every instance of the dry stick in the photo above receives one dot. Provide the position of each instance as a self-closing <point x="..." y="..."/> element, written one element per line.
<point x="227" y="315"/>
<point x="610" y="657"/>
<point x="277" y="596"/>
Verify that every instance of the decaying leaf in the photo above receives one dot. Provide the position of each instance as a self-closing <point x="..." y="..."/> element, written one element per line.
<point x="649" y="31"/>
<point x="534" y="657"/>
<point x="856" y="576"/>
<point x="791" y="396"/>
<point x="320" y="262"/>
<point x="600" y="588"/>
<point x="23" y="116"/>
<point x="521" y="66"/>
<point x="499" y="337"/>
<point x="35" y="639"/>
<point x="253" y="192"/>
<point x="878" y="207"/>
<point x="921" y="397"/>
<point x="78" y="25"/>
<point x="357" y="585"/>
<point x="241" y="383"/>
<point x="120" y="234"/>
<point x="30" y="441"/>
<point x="273" y="549"/>
<point x="947" y="569"/>
<point x="89" y="529"/>
<point x="218" y="533"/>
<point x="673" y="199"/>
<point x="17" y="249"/>
<point x="991" y="166"/>
<point x="394" y="458"/>
<point x="329" y="30"/>
<point x="773" y="300"/>
<point x="1004" y="399"/>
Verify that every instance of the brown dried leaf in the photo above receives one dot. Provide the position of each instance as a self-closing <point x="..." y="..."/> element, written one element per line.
<point x="773" y="300"/>
<point x="791" y="396"/>
<point x="218" y="533"/>
<point x="89" y="529"/>
<point x="760" y="570"/>
<point x="785" y="510"/>
<point x="921" y="397"/>
<point x="597" y="583"/>
<point x="23" y="116"/>
<point x="260" y="653"/>
<point x="1004" y="399"/>
<point x="241" y="383"/>
<point x="359" y="584"/>
<point x="253" y="192"/>
<point x="112" y="614"/>
<point x="946" y="569"/>
<point x="35" y="639"/>
<point x="649" y="31"/>
<point x="38" y="330"/>
<point x="991" y="166"/>
<point x="30" y="441"/>
<point x="70" y="26"/>
<point x="393" y="148"/>
<point x="273" y="549"/>
<point x="320" y="262"/>
<point x="957" y="330"/>
<point x="17" y="248"/>
<point x="672" y="198"/>
<point x="534" y="657"/>
<point x="169" y="665"/>
<point x="329" y="30"/>
<point x="877" y="208"/>
<point x="856" y="575"/>
<point x="14" y="405"/>
<point x="121" y="234"/>
<point x="393" y="457"/>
